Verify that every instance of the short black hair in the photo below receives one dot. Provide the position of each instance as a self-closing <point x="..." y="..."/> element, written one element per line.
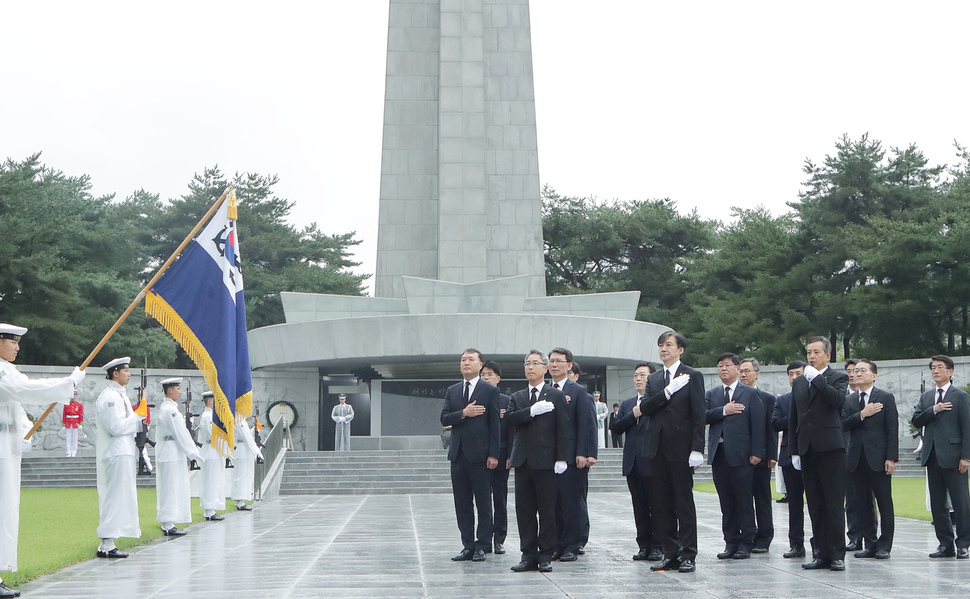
<point x="616" y="405"/>
<point x="868" y="362"/>
<point x="941" y="358"/>
<point x="680" y="339"/>
<point x="646" y="365"/>
<point x="729" y="356"/>
<point x="576" y="369"/>
<point x="796" y="364"/>
<point x="472" y="350"/>
<point x="563" y="352"/>
<point x="493" y="367"/>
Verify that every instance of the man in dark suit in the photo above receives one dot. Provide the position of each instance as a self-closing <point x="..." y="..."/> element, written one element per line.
<point x="572" y="513"/>
<point x="818" y="449"/>
<point x="736" y="444"/>
<point x="871" y="418"/>
<point x="616" y="438"/>
<point x="793" y="477"/>
<point x="492" y="374"/>
<point x="944" y="414"/>
<point x="471" y="410"/>
<point x="761" y="478"/>
<point x="854" y="513"/>
<point x="674" y="442"/>
<point x="636" y="468"/>
<point x="540" y="450"/>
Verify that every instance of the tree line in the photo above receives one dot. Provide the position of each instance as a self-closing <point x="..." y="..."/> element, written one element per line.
<point x="70" y="262"/>
<point x="874" y="254"/>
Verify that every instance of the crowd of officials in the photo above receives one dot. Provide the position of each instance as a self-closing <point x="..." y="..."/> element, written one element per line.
<point x="835" y="437"/>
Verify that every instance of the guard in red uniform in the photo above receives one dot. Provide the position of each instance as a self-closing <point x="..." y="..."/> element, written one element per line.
<point x="72" y="418"/>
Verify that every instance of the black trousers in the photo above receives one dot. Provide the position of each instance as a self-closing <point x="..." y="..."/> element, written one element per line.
<point x="733" y="484"/>
<point x="761" y="491"/>
<point x="942" y="481"/>
<point x="535" y="512"/>
<point x="675" y="516"/>
<point x="500" y="498"/>
<point x="617" y="439"/>
<point x="824" y="476"/>
<point x="869" y="485"/>
<point x="471" y="489"/>
<point x="641" y="488"/>
<point x="796" y="505"/>
<point x="572" y="515"/>
<point x="858" y="509"/>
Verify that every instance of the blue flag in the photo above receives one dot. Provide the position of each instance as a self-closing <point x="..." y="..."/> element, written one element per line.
<point x="199" y="300"/>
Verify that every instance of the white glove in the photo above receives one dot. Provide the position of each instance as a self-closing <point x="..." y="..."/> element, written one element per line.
<point x="340" y="419"/>
<point x="796" y="460"/>
<point x="25" y="446"/>
<point x="696" y="459"/>
<point x="560" y="467"/>
<point x="77" y="376"/>
<point x="810" y="373"/>
<point x="542" y="407"/>
<point x="678" y="383"/>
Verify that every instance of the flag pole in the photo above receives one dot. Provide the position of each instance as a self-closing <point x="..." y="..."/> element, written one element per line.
<point x="141" y="295"/>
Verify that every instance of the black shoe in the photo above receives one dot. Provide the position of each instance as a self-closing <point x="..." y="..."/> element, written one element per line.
<point x="655" y="555"/>
<point x="215" y="517"/>
<point x="854" y="546"/>
<point x="464" y="556"/>
<point x="524" y="566"/>
<point x="641" y="555"/>
<point x="837" y="565"/>
<point x="686" y="565"/>
<point x="499" y="549"/>
<point x="882" y="554"/>
<point x="244" y="507"/>
<point x="581" y="550"/>
<point x="667" y="563"/>
<point x="784" y="499"/>
<point x="6" y="591"/>
<point x="260" y="460"/>
<point x="555" y="555"/>
<point x="759" y="550"/>
<point x="113" y="553"/>
<point x="173" y="532"/>
<point x="545" y="567"/>
<point x="866" y="553"/>
<point x="798" y="551"/>
<point x="817" y="564"/>
<point x="742" y="554"/>
<point x="942" y="551"/>
<point x="568" y="556"/>
<point x="479" y="555"/>
<point x="728" y="552"/>
<point x="962" y="553"/>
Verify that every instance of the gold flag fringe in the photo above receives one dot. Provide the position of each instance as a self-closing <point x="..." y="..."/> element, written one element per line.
<point x="160" y="310"/>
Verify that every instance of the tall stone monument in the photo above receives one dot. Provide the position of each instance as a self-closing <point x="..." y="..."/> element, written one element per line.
<point x="459" y="256"/>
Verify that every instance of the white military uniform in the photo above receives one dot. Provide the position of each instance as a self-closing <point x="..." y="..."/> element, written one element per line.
<point x="601" y="413"/>
<point x="342" y="415"/>
<point x="244" y="461"/>
<point x="16" y="388"/>
<point x="213" y="494"/>
<point x="117" y="498"/>
<point x="173" y="444"/>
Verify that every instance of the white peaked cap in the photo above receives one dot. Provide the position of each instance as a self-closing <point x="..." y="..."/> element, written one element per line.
<point x="172" y="381"/>
<point x="117" y="362"/>
<point x="11" y="329"/>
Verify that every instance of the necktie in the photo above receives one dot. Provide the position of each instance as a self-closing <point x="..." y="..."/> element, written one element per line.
<point x="666" y="377"/>
<point x="534" y="393"/>
<point x="555" y="385"/>
<point x="467" y="387"/>
<point x="939" y="398"/>
<point x="727" y="395"/>
<point x="862" y="396"/>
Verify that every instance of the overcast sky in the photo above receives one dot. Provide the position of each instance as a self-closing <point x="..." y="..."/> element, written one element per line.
<point x="712" y="104"/>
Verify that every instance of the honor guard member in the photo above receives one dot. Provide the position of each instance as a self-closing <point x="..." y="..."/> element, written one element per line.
<point x="16" y="388"/>
<point x="72" y="418"/>
<point x="342" y="414"/>
<point x="117" y="424"/>
<point x="173" y="444"/>
<point x="213" y="494"/>
<point x="244" y="460"/>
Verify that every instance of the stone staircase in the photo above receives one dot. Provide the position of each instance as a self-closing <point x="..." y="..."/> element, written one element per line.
<point x="60" y="472"/>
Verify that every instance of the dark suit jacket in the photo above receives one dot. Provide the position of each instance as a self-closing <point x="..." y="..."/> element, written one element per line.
<point x="779" y="420"/>
<point x="611" y="419"/>
<point x="876" y="437"/>
<point x="543" y="440"/>
<point x="676" y="426"/>
<point x="635" y="428"/>
<point x="506" y="435"/>
<point x="476" y="438"/>
<point x="744" y="433"/>
<point x="582" y="415"/>
<point x="815" y="419"/>
<point x="771" y="435"/>
<point x="947" y="432"/>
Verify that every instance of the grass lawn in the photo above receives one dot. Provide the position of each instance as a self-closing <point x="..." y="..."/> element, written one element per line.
<point x="909" y="497"/>
<point x="58" y="527"/>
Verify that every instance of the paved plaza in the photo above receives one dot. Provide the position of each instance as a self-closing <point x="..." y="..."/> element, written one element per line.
<point x="387" y="546"/>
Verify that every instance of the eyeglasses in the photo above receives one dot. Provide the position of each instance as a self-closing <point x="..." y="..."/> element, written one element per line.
<point x="534" y="363"/>
<point x="860" y="370"/>
<point x="936" y="367"/>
